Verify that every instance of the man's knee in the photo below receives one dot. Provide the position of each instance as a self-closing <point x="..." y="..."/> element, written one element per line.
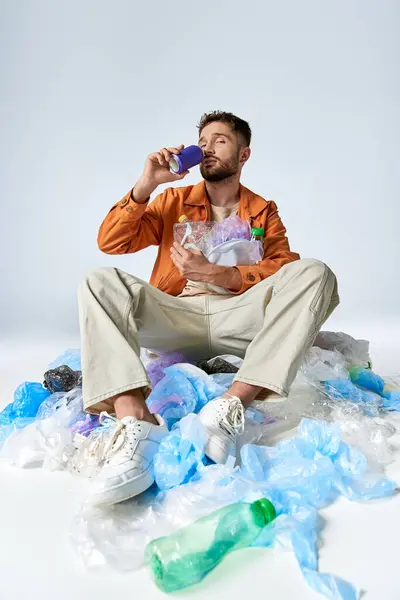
<point x="107" y="281"/>
<point x="96" y="278"/>
<point x="316" y="271"/>
<point x="323" y="280"/>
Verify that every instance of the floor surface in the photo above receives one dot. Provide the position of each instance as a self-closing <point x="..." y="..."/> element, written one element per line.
<point x="360" y="541"/>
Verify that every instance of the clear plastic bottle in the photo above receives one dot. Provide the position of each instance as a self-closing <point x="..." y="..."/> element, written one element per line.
<point x="186" y="556"/>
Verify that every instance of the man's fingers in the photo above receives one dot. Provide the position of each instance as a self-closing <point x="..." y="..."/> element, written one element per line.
<point x="166" y="154"/>
<point x="176" y="150"/>
<point x="157" y="157"/>
<point x="177" y="263"/>
<point x="177" y="258"/>
<point x="181" y="250"/>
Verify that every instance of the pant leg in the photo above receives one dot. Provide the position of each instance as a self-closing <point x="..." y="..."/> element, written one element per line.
<point x="274" y="323"/>
<point x="119" y="314"/>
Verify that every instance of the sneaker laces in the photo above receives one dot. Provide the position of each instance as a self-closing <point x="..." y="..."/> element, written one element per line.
<point x="101" y="447"/>
<point x="233" y="422"/>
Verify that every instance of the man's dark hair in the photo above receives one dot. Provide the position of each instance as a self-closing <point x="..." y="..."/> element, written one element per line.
<point x="237" y="124"/>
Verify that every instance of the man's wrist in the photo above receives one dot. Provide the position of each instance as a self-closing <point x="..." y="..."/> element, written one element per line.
<point x="142" y="191"/>
<point x="226" y="277"/>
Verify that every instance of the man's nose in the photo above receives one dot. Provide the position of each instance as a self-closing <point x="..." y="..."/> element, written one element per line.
<point x="209" y="149"/>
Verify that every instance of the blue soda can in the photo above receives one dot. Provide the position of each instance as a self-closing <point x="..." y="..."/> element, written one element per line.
<point x="188" y="158"/>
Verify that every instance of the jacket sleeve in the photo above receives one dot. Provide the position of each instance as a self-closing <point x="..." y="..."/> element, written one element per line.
<point x="276" y="252"/>
<point x="130" y="227"/>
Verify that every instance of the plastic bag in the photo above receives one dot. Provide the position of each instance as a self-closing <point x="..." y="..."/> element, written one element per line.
<point x="391" y="393"/>
<point x="86" y="425"/>
<point x="27" y="399"/>
<point x="367" y="379"/>
<point x="48" y="440"/>
<point x="155" y="368"/>
<point x="23" y="447"/>
<point x="184" y="389"/>
<point x="370" y="435"/>
<point x="323" y="365"/>
<point x="232" y="228"/>
<point x="180" y="453"/>
<point x="303" y="474"/>
<point x="344" y="389"/>
<point x="71" y="358"/>
<point x="356" y="352"/>
<point x="317" y="463"/>
<point x="50" y="405"/>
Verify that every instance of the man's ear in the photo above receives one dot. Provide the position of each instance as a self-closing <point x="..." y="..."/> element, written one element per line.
<point x="245" y="153"/>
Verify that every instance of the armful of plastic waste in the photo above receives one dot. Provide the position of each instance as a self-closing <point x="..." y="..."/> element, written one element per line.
<point x="229" y="244"/>
<point x="225" y="245"/>
<point x="194" y="266"/>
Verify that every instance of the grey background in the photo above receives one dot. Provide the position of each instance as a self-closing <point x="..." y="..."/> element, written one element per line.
<point x="89" y="88"/>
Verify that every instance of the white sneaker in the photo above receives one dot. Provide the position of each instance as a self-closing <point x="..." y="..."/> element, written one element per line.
<point x="128" y="465"/>
<point x="223" y="419"/>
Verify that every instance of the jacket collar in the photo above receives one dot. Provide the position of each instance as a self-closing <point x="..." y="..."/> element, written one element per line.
<point x="250" y="204"/>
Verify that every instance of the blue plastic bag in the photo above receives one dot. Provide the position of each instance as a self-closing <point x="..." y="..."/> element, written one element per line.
<point x="302" y="474"/>
<point x="185" y="389"/>
<point x="22" y="412"/>
<point x="180" y="453"/>
<point x="367" y="379"/>
<point x="72" y="358"/>
<point x="391" y="400"/>
<point x="156" y="368"/>
<point x="27" y="398"/>
<point x="344" y="389"/>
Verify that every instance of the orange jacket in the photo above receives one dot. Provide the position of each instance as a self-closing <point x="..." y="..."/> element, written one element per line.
<point x="130" y="227"/>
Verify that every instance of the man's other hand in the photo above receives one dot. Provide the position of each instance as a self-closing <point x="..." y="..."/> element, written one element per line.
<point x="192" y="264"/>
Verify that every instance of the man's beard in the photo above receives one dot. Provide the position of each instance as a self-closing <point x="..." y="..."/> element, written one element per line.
<point x="220" y="171"/>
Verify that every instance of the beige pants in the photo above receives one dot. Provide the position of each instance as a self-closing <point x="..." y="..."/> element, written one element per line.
<point x="271" y="326"/>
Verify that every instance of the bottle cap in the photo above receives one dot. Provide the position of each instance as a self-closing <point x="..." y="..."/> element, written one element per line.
<point x="266" y="509"/>
<point x="257" y="231"/>
<point x="182" y="218"/>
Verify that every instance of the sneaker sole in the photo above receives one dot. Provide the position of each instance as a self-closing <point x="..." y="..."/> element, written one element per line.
<point x="124" y="491"/>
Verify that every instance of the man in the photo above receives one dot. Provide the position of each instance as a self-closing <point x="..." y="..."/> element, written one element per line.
<point x="269" y="314"/>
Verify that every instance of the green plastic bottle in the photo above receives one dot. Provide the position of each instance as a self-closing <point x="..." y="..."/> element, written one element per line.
<point x="186" y="556"/>
<point x="257" y="233"/>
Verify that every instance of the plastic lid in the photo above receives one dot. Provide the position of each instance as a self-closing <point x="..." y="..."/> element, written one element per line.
<point x="265" y="510"/>
<point x="182" y="218"/>
<point x="257" y="231"/>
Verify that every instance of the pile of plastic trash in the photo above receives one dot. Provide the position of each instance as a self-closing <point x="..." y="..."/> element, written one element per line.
<point x="342" y="443"/>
